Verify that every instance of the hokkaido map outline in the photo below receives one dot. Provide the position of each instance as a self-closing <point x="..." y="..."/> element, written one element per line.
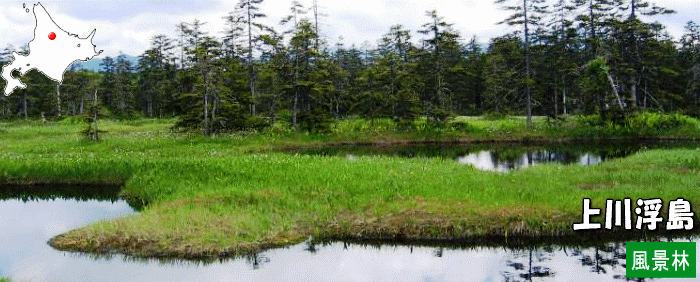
<point x="51" y="51"/>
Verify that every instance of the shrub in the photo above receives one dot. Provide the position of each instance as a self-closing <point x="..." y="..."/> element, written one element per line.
<point x="465" y="126"/>
<point x="279" y="127"/>
<point x="555" y="120"/>
<point x="315" y="122"/>
<point x="106" y="112"/>
<point x="615" y="115"/>
<point x="462" y="126"/>
<point x="492" y="115"/>
<point x="405" y="124"/>
<point x="651" y="121"/>
<point x="589" y="120"/>
<point x="128" y="115"/>
<point x="285" y="115"/>
<point x="258" y="122"/>
<point x="72" y="120"/>
<point x="643" y="123"/>
<point x="351" y="124"/>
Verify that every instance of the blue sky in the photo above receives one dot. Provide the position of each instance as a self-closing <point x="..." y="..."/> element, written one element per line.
<point x="127" y="26"/>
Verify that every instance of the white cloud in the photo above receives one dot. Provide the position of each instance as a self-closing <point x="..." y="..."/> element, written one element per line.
<point x="127" y="26"/>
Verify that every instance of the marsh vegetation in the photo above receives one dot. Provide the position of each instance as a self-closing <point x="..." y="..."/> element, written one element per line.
<point x="212" y="197"/>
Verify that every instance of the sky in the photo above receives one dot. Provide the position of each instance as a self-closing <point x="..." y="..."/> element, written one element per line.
<point x="126" y="26"/>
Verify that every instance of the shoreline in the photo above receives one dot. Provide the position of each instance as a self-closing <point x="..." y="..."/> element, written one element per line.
<point x="481" y="141"/>
<point x="211" y="198"/>
<point x="138" y="247"/>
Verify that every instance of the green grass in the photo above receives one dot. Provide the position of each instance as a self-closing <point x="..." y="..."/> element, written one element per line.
<point x="230" y="194"/>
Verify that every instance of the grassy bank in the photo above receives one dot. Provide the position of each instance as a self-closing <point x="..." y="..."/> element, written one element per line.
<point x="211" y="197"/>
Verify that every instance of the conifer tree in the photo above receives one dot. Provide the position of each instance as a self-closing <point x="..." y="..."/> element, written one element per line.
<point x="247" y="14"/>
<point x="439" y="48"/>
<point x="527" y="13"/>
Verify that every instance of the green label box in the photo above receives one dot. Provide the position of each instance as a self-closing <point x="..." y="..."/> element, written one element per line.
<point x="661" y="259"/>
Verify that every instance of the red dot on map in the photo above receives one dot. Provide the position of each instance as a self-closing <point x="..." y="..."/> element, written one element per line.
<point x="52" y="35"/>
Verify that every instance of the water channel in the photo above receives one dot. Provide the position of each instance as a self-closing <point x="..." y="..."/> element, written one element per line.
<point x="28" y="219"/>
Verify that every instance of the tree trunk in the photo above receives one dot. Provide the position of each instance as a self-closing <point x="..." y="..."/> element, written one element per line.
<point x="150" y="106"/>
<point x="527" y="65"/>
<point x="206" y="115"/>
<point x="614" y="88"/>
<point x="633" y="91"/>
<point x="634" y="7"/>
<point x="250" y="60"/>
<point x="295" y="109"/>
<point x="556" y="99"/>
<point x="206" y="106"/>
<point x="592" y="26"/>
<point x="58" y="99"/>
<point x="213" y="113"/>
<point x="563" y="103"/>
<point x="24" y="104"/>
<point x="95" y="110"/>
<point x="316" y="23"/>
<point x="497" y="103"/>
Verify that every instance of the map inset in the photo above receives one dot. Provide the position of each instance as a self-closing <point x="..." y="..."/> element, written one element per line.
<point x="51" y="51"/>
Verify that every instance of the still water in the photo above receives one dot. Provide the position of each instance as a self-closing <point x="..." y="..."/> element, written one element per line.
<point x="499" y="157"/>
<point x="25" y="227"/>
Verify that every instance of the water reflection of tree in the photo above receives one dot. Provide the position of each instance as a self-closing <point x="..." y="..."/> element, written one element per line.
<point x="510" y="155"/>
<point x="518" y="159"/>
<point x="311" y="247"/>
<point x="616" y="152"/>
<point x="605" y="256"/>
<point x="604" y="259"/>
<point x="27" y="192"/>
<point x="532" y="268"/>
<point x="257" y="260"/>
<point x="532" y="157"/>
<point x="529" y="263"/>
<point x="49" y="191"/>
<point x="438" y="252"/>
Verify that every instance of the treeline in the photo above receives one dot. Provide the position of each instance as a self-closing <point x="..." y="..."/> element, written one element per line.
<point x="572" y="57"/>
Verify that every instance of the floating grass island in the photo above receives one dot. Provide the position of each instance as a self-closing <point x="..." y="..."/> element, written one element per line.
<point x="233" y="194"/>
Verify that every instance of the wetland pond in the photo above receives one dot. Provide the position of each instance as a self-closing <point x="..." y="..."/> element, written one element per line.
<point x="500" y="157"/>
<point x="30" y="217"/>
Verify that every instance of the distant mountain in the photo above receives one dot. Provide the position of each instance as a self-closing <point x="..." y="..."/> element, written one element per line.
<point x="94" y="64"/>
